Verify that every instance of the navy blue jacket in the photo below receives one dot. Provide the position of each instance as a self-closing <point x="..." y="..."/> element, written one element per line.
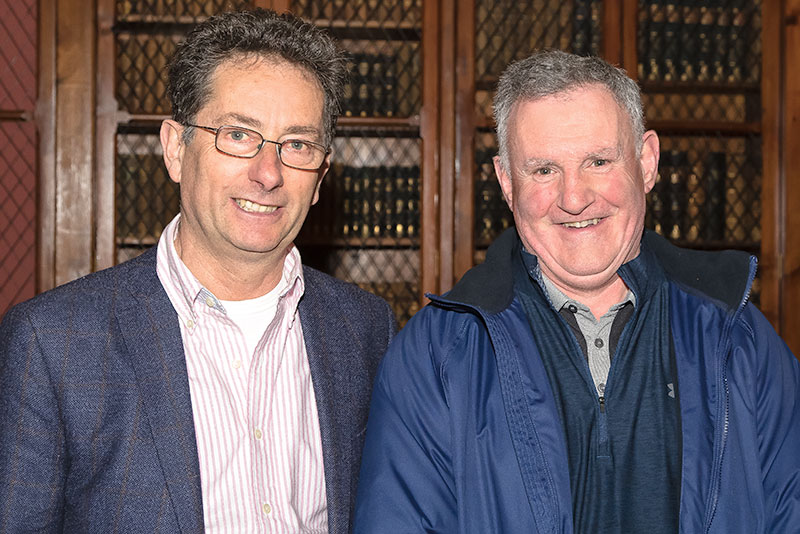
<point x="96" y="428"/>
<point x="464" y="437"/>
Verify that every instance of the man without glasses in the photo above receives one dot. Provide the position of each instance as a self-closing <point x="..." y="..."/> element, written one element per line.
<point x="588" y="377"/>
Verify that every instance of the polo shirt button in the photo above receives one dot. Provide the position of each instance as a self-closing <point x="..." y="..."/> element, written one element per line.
<point x="572" y="308"/>
<point x="598" y="343"/>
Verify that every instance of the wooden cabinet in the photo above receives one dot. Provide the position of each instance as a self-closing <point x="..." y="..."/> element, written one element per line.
<point x="411" y="202"/>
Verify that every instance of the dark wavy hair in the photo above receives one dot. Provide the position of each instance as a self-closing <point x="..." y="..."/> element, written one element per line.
<point x="258" y="33"/>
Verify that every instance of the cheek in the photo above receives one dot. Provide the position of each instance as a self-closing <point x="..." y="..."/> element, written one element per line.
<point x="533" y="202"/>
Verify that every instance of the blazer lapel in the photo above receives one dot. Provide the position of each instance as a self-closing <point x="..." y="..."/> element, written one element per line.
<point x="152" y="336"/>
<point x="338" y="397"/>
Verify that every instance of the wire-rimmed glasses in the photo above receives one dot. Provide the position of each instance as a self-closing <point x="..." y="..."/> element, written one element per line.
<point x="242" y="142"/>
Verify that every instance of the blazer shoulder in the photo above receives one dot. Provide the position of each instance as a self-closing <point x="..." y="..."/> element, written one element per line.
<point x="341" y="294"/>
<point x="91" y="294"/>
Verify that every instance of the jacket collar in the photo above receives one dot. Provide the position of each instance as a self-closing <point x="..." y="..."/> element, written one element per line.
<point x="724" y="276"/>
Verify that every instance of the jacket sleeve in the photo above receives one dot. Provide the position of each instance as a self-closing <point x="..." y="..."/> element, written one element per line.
<point x="777" y="411"/>
<point x="32" y="447"/>
<point x="406" y="482"/>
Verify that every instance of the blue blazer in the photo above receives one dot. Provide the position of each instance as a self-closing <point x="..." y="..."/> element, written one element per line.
<point x="96" y="429"/>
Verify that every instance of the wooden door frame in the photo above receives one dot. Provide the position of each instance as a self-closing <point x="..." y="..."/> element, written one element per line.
<point x="66" y="122"/>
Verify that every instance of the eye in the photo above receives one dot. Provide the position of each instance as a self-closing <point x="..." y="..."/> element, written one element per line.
<point x="296" y="145"/>
<point x="239" y="136"/>
<point x="600" y="162"/>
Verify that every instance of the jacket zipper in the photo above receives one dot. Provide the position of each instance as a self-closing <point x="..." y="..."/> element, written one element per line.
<point x="716" y="479"/>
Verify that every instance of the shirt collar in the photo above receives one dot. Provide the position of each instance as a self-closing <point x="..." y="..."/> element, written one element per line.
<point x="186" y="292"/>
<point x="557" y="297"/>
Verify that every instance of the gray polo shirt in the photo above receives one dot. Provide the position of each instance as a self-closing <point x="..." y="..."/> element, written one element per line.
<point x="596" y="333"/>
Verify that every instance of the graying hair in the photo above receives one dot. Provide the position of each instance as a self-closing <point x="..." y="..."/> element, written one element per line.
<point x="550" y="72"/>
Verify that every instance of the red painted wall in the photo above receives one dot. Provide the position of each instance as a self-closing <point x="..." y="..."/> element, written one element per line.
<point x="18" y="149"/>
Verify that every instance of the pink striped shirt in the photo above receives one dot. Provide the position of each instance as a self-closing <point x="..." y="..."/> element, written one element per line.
<point x="255" y="415"/>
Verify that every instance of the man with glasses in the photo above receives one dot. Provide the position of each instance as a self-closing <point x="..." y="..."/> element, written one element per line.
<point x="213" y="383"/>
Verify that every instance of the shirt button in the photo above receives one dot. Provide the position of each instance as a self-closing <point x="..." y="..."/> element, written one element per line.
<point x="209" y="302"/>
<point x="237" y="364"/>
<point x="572" y="308"/>
<point x="189" y="324"/>
<point x="598" y="343"/>
<point x="258" y="435"/>
<point x="267" y="508"/>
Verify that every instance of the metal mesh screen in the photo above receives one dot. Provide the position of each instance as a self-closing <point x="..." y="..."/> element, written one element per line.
<point x="382" y="38"/>
<point x="507" y="31"/>
<point x="18" y="150"/>
<point x="700" y="64"/>
<point x="708" y="192"/>
<point x="175" y="10"/>
<point x="17" y="212"/>
<point x="146" y="34"/>
<point x="365" y="228"/>
<point x="146" y="198"/>
<point x="492" y="214"/>
<point x="707" y="42"/>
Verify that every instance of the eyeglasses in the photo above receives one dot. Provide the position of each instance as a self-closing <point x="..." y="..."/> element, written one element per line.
<point x="246" y="143"/>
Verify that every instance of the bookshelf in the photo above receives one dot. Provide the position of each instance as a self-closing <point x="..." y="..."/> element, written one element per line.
<point x="439" y="63"/>
<point x="699" y="65"/>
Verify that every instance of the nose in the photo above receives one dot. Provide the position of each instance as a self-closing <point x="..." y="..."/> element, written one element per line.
<point x="266" y="169"/>
<point x="577" y="192"/>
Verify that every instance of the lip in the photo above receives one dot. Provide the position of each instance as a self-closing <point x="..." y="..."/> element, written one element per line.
<point x="249" y="206"/>
<point x="582" y="224"/>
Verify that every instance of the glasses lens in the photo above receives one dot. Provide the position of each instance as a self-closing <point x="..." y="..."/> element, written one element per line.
<point x="238" y="141"/>
<point x="301" y="154"/>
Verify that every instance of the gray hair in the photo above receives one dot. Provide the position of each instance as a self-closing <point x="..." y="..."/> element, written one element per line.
<point x="550" y="72"/>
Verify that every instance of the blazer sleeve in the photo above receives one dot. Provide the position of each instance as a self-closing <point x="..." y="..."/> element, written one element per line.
<point x="33" y="454"/>
<point x="406" y="483"/>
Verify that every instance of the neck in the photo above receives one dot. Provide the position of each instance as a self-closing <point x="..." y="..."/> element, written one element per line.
<point x="598" y="300"/>
<point x="249" y="276"/>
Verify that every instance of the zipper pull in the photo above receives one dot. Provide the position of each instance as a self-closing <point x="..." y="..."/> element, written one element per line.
<point x="602" y="404"/>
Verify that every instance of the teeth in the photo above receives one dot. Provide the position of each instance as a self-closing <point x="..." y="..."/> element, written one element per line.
<point x="582" y="224"/>
<point x="252" y="207"/>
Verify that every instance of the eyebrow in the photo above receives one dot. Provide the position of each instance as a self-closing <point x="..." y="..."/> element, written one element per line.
<point x="255" y="124"/>
<point x="536" y="163"/>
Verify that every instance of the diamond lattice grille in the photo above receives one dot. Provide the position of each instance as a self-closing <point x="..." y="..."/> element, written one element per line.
<point x="18" y="45"/>
<point x="365" y="228"/>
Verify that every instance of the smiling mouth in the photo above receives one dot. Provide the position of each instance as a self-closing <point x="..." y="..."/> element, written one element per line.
<point x="581" y="224"/>
<point x="252" y="207"/>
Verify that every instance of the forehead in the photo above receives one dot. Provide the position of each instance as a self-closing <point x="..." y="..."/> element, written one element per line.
<point x="581" y="119"/>
<point x="251" y="84"/>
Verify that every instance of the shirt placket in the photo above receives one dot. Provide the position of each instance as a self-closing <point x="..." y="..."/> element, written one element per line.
<point x="261" y="385"/>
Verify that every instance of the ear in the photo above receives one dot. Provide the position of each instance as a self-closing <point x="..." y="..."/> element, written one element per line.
<point x="326" y="165"/>
<point x="648" y="160"/>
<point x="504" y="178"/>
<point x="172" y="146"/>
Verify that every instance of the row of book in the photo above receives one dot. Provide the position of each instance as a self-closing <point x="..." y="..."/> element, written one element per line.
<point x="146" y="198"/>
<point x="697" y="41"/>
<point x="176" y="8"/>
<point x="688" y="202"/>
<point x="385" y="11"/>
<point x="368" y="202"/>
<point x="372" y="90"/>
